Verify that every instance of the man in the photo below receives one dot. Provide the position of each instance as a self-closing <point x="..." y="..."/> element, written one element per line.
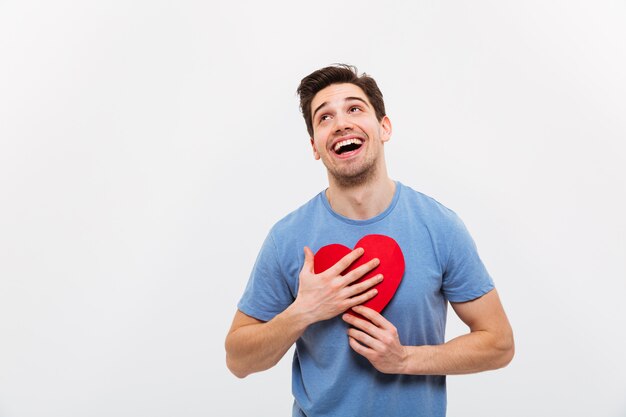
<point x="391" y="363"/>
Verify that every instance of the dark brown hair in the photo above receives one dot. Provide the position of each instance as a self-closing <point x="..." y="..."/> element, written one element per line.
<point x="337" y="74"/>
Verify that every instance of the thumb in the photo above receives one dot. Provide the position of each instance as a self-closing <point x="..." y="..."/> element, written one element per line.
<point x="308" y="259"/>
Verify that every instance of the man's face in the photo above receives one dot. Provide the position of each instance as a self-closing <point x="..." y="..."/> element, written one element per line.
<point x="347" y="137"/>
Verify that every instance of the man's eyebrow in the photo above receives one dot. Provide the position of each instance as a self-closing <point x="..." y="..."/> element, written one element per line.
<point x="319" y="107"/>
<point x="359" y="99"/>
<point x="346" y="99"/>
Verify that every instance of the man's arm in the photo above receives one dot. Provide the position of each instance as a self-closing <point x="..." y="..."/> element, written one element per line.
<point x="253" y="345"/>
<point x="488" y="345"/>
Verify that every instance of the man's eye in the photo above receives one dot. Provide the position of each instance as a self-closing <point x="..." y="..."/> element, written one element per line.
<point x="324" y="117"/>
<point x="354" y="109"/>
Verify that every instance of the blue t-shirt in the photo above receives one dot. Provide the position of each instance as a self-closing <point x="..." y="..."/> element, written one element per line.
<point x="441" y="264"/>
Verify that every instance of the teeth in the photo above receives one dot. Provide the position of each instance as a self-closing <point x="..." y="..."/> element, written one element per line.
<point x="347" y="142"/>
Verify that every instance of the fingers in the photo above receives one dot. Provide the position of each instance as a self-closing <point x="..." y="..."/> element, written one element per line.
<point x="373" y="316"/>
<point x="308" y="259"/>
<point x="346" y="261"/>
<point x="363" y="331"/>
<point x="363" y="341"/>
<point x="372" y="330"/>
<point x="358" y="323"/>
<point x="380" y="344"/>
<point x="365" y="285"/>
<point x="361" y="298"/>
<point x="361" y="270"/>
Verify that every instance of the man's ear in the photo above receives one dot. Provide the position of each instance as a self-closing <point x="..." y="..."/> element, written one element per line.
<point x="385" y="126"/>
<point x="316" y="154"/>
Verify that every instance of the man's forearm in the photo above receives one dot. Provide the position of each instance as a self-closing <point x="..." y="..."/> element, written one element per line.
<point x="256" y="346"/>
<point x="474" y="352"/>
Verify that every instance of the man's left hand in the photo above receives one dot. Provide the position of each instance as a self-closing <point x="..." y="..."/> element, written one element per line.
<point x="377" y="340"/>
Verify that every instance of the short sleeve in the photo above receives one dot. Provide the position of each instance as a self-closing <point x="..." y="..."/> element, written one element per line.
<point x="267" y="292"/>
<point x="465" y="277"/>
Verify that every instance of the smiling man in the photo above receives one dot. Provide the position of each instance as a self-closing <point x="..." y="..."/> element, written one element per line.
<point x="355" y="156"/>
<point x="391" y="362"/>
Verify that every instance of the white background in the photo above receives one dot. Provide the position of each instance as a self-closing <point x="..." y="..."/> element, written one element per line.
<point x="146" y="147"/>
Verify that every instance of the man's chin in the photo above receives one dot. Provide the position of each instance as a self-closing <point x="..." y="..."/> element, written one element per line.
<point x="353" y="179"/>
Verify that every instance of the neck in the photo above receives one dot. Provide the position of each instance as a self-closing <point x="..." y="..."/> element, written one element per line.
<point x="361" y="201"/>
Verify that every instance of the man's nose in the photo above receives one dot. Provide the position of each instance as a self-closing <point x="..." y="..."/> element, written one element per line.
<point x="342" y="122"/>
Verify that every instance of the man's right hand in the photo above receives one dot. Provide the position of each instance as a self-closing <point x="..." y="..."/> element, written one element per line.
<point x="253" y="345"/>
<point x="328" y="294"/>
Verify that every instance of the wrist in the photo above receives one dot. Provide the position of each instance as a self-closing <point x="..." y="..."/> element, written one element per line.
<point x="416" y="359"/>
<point x="298" y="316"/>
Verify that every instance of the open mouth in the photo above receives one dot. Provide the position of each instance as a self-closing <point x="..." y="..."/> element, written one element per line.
<point x="347" y="145"/>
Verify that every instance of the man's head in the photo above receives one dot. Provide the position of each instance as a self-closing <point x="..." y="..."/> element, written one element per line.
<point x="337" y="74"/>
<point x="345" y="116"/>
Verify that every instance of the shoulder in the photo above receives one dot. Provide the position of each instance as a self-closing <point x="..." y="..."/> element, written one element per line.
<point x="443" y="227"/>
<point x="429" y="210"/>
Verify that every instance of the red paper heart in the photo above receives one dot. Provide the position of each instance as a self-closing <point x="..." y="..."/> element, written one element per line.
<point x="376" y="246"/>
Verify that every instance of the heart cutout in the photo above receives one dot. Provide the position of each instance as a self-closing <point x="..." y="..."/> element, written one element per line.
<point x="391" y="265"/>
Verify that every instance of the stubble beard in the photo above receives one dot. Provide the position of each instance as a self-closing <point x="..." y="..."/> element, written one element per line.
<point x="353" y="177"/>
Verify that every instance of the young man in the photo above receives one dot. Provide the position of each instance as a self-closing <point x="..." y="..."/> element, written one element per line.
<point x="391" y="363"/>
